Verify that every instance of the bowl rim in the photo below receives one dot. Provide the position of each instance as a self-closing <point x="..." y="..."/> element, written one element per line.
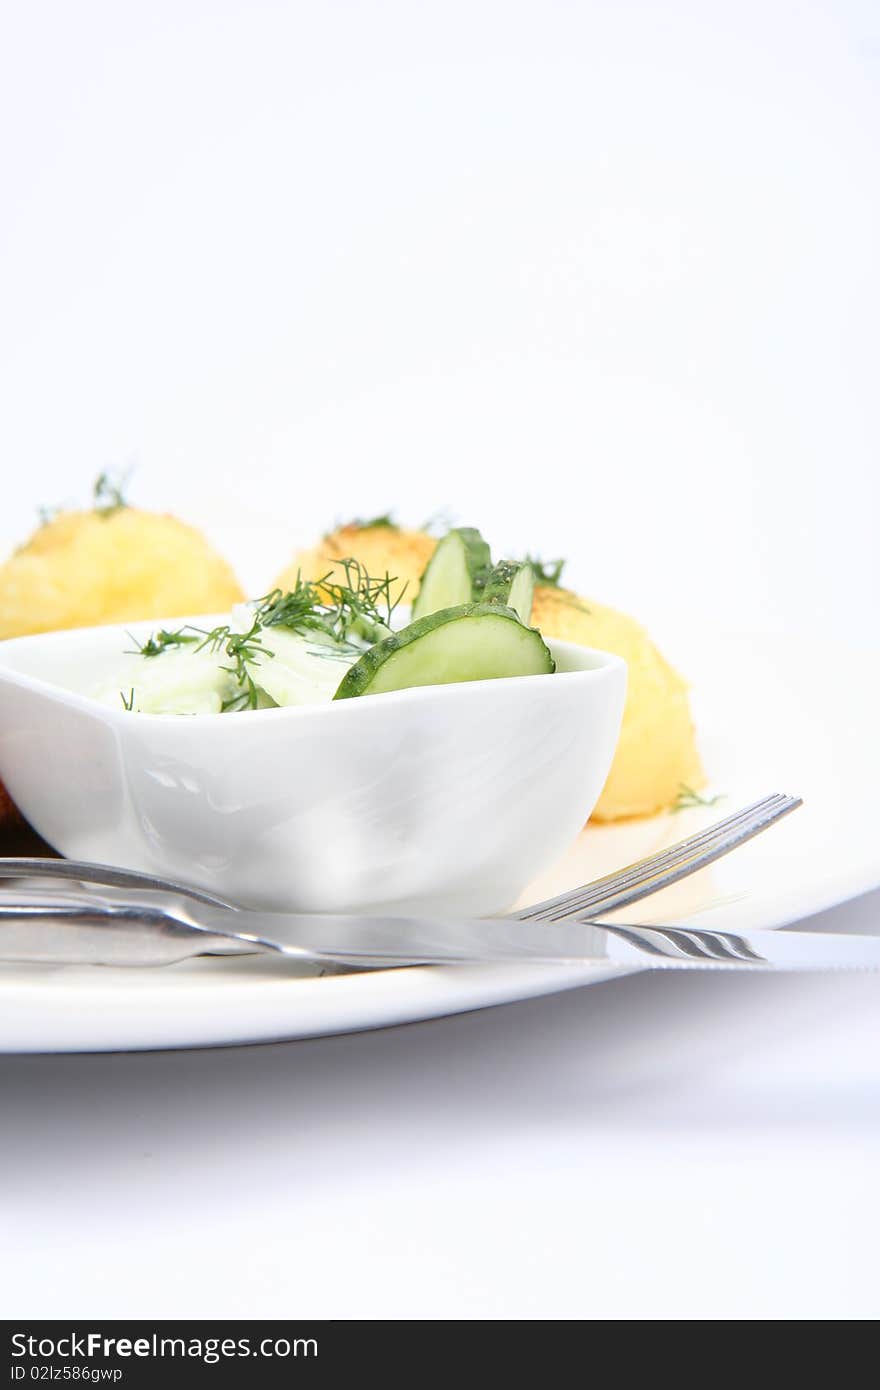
<point x="605" y="662"/>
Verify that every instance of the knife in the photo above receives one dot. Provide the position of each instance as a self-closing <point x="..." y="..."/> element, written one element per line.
<point x="159" y="930"/>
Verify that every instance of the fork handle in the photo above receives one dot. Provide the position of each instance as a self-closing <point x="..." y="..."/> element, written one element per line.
<point x="108" y="875"/>
<point x="69" y="933"/>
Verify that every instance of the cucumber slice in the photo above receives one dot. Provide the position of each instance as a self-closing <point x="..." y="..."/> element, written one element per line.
<point x="512" y="583"/>
<point x="461" y="560"/>
<point x="303" y="668"/>
<point x="180" y="681"/>
<point x="474" y="642"/>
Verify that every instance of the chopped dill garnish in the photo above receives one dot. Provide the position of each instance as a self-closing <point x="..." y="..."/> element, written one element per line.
<point x="295" y="608"/>
<point x="241" y="648"/>
<point x="547" y="571"/>
<point x="344" y="651"/>
<point x="160" y="641"/>
<point x="108" y="492"/>
<point x="356" y="607"/>
<point x="108" y="496"/>
<point x="359" y="523"/>
<point x="688" y="798"/>
<point x="127" y="703"/>
<point x="549" y="574"/>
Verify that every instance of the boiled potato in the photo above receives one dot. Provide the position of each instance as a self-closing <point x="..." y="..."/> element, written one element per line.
<point x="380" y="547"/>
<point x="85" y="568"/>
<point x="657" y="752"/>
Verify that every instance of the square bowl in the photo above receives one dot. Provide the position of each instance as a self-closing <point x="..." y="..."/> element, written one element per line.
<point x="444" y="799"/>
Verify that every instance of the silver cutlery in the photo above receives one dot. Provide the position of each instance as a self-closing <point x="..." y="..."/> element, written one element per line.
<point x="619" y="889"/>
<point x="169" y="921"/>
<point x="172" y="929"/>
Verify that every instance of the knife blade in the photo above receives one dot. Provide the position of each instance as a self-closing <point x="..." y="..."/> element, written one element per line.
<point x="110" y="931"/>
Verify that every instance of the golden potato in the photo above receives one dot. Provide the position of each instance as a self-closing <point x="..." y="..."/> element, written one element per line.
<point x="657" y="752"/>
<point x="380" y="547"/>
<point x="106" y="566"/>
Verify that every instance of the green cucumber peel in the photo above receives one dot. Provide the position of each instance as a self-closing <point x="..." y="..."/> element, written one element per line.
<point x="470" y="642"/>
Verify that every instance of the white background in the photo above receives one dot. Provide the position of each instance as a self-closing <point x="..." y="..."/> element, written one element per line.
<point x="603" y="280"/>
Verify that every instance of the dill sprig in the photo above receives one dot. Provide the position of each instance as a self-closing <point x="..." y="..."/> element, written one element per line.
<point x="547" y="571"/>
<point x="361" y="604"/>
<point x="549" y="574"/>
<point x="375" y="523"/>
<point x="688" y="798"/>
<point x="359" y="523"/>
<point x="108" y="492"/>
<point x="297" y="608"/>
<point x="127" y="703"/>
<point x="240" y="647"/>
<point x="357" y="605"/>
<point x="159" y="642"/>
<point x="243" y="649"/>
<point x="108" y="496"/>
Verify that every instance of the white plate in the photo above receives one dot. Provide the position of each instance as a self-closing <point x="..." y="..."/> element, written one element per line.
<point x="773" y="717"/>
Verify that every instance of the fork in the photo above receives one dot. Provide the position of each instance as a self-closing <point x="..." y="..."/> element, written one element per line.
<point x="102" y="932"/>
<point x="160" y="929"/>
<point x="615" y="890"/>
<point x="678" y="861"/>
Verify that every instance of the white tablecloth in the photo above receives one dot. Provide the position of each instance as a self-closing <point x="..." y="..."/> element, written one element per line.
<point x="666" y="1146"/>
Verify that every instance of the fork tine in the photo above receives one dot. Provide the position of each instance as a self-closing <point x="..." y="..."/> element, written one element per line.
<point x="723" y="834"/>
<point x="633" y="888"/>
<point x="643" y="869"/>
<point x="714" y="850"/>
<point x="670" y="865"/>
<point x="735" y="832"/>
<point x="682" y="867"/>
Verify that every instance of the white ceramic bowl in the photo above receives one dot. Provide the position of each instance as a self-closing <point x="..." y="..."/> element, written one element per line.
<point x="443" y="798"/>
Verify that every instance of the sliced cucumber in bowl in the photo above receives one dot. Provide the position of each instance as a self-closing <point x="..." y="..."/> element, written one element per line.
<point x="455" y="572"/>
<point x="299" y="668"/>
<point x="511" y="583"/>
<point x="469" y="642"/>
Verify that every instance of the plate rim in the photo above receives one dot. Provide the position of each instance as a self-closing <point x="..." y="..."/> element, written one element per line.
<point x="360" y="1002"/>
